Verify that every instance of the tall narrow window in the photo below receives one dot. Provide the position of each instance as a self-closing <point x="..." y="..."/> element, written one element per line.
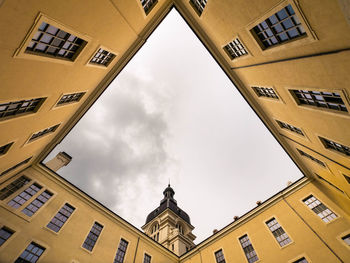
<point x="17" y="108"/>
<point x="13" y="187"/>
<point x="265" y="92"/>
<point x="31" y="254"/>
<point x="70" y="98"/>
<point x="235" y="49"/>
<point x="35" y="205"/>
<point x="119" y="257"/>
<point x="147" y="259"/>
<point x="248" y="249"/>
<point x="43" y="132"/>
<point x="278" y="232"/>
<point x="92" y="237"/>
<point x="219" y="256"/>
<point x="311" y="158"/>
<point x="4" y="149"/>
<point x="279" y="28"/>
<point x="148" y="5"/>
<point x="320" y="99"/>
<point x="289" y="127"/>
<point x="15" y="166"/>
<point x="23" y="197"/>
<point x="198" y="5"/>
<point x="346" y="239"/>
<point x="301" y="260"/>
<point x="54" y="42"/>
<point x="320" y="209"/>
<point x="61" y="217"/>
<point x="5" y="233"/>
<point x="335" y="146"/>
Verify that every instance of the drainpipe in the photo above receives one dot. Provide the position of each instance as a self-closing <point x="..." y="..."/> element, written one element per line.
<point x="137" y="246"/>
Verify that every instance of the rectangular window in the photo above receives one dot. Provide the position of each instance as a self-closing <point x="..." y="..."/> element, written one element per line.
<point x="61" y="217"/>
<point x="301" y="260"/>
<point x="92" y="237"/>
<point x="18" y="108"/>
<point x="147" y="259"/>
<point x="23" y="197"/>
<point x="54" y="42"/>
<point x="102" y="57"/>
<point x="289" y="127"/>
<point x="148" y="5"/>
<point x="219" y="256"/>
<point x="335" y="146"/>
<point x="5" y="233"/>
<point x="198" y="5"/>
<point x="319" y="209"/>
<point x="265" y="92"/>
<point x="311" y="158"/>
<point x="279" y="28"/>
<point x="43" y="132"/>
<point x="248" y="249"/>
<point x="320" y="99"/>
<point x="15" y="166"/>
<point x="4" y="149"/>
<point x="278" y="232"/>
<point x="70" y="98"/>
<point x="235" y="49"/>
<point x="13" y="187"/>
<point x="346" y="239"/>
<point x="31" y="254"/>
<point x="37" y="203"/>
<point x="119" y="257"/>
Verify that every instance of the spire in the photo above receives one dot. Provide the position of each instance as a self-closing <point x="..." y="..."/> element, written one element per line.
<point x="168" y="194"/>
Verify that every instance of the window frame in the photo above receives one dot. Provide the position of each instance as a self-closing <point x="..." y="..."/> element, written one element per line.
<point x="40" y="243"/>
<point x="216" y="251"/>
<point x="65" y="223"/>
<point x="242" y="249"/>
<point x="97" y="240"/>
<point x="145" y="14"/>
<point x="310" y="34"/>
<point x="29" y="141"/>
<point x="12" y="180"/>
<point x="127" y="248"/>
<point x="321" y="137"/>
<point x="234" y="60"/>
<point x="287" y="131"/>
<point x="100" y="66"/>
<point x="195" y="8"/>
<point x="279" y="99"/>
<point x="41" y="17"/>
<point x="341" y="240"/>
<point x="144" y="255"/>
<point x="269" y="230"/>
<point x="303" y="157"/>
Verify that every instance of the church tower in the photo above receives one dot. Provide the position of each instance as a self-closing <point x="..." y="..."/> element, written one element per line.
<point x="169" y="225"/>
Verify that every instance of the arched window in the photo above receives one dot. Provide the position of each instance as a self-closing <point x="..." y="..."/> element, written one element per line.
<point x="179" y="226"/>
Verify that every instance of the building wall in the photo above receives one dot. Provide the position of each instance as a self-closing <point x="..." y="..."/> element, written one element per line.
<point x="312" y="238"/>
<point x="66" y="245"/>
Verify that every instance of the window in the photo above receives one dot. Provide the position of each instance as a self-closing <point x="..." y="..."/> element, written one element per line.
<point x="248" y="249"/>
<point x="37" y="203"/>
<point x="320" y="99"/>
<point x="289" y="127"/>
<point x="347" y="178"/>
<point x="119" y="257"/>
<point x="235" y="49"/>
<point x="198" y="5"/>
<point x="148" y="5"/>
<point x="54" y="42"/>
<point x="311" y="158"/>
<point x="92" y="237"/>
<point x="61" y="217"/>
<point x="31" y="254"/>
<point x="320" y="209"/>
<point x="102" y="57"/>
<point x="180" y="228"/>
<point x="43" y="132"/>
<point x="23" y="197"/>
<point x="69" y="98"/>
<point x="13" y="187"/>
<point x="5" y="148"/>
<point x="335" y="146"/>
<point x="219" y="256"/>
<point x="18" y="108"/>
<point x="15" y="166"/>
<point x="147" y="259"/>
<point x="279" y="28"/>
<point x="278" y="232"/>
<point x="5" y="233"/>
<point x="301" y="260"/>
<point x="265" y="92"/>
<point x="346" y="239"/>
<point x="172" y="247"/>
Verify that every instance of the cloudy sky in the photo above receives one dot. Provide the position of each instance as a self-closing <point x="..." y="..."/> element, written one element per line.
<point x="173" y="114"/>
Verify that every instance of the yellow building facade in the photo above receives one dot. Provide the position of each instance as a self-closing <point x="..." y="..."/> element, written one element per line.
<point x="289" y="59"/>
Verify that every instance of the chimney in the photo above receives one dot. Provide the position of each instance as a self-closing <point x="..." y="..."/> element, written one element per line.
<point x="60" y="160"/>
